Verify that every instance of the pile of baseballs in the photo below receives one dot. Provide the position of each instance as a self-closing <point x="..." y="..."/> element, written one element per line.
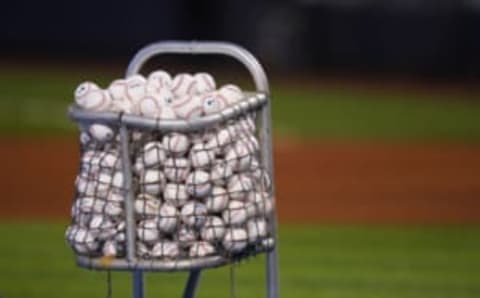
<point x="185" y="96"/>
<point x="195" y="194"/>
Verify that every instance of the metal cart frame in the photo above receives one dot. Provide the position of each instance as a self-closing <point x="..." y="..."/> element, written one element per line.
<point x="260" y="98"/>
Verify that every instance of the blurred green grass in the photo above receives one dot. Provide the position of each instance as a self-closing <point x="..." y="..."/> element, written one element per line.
<point x="315" y="261"/>
<point x="32" y="103"/>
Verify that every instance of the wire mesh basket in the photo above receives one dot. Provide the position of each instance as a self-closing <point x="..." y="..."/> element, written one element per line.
<point x="171" y="195"/>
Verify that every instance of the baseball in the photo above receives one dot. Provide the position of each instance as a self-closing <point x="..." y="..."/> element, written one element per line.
<point x="147" y="205"/>
<point x="222" y="138"/>
<point x="101" y="133"/>
<point x="268" y="243"/>
<point x="235" y="240"/>
<point x="201" y="249"/>
<point x="135" y="88"/>
<point x="98" y="206"/>
<point x="115" y="197"/>
<point x="142" y="250"/>
<point x="168" y="218"/>
<point x="218" y="200"/>
<point x="110" y="160"/>
<point x="198" y="184"/>
<point x="152" y="107"/>
<point x="101" y="227"/>
<point x="118" y="90"/>
<point x="221" y="172"/>
<point x="84" y="185"/>
<point x="90" y="97"/>
<point x="204" y="83"/>
<point x="238" y="156"/>
<point x="213" y="229"/>
<point x="213" y="103"/>
<point x="257" y="229"/>
<point x="239" y="186"/>
<point x="175" y="143"/>
<point x="153" y="154"/>
<point x="250" y="141"/>
<point x="201" y="157"/>
<point x="82" y="240"/>
<point x="236" y="213"/>
<point x="175" y="194"/>
<point x="152" y="181"/>
<point x="147" y="230"/>
<point x="246" y="125"/>
<point x="158" y="80"/>
<point x="186" y="235"/>
<point x="109" y="248"/>
<point x="194" y="214"/>
<point x="165" y="249"/>
<point x="188" y="107"/>
<point x="183" y="84"/>
<point x="259" y="204"/>
<point x="177" y="169"/>
<point x="232" y="93"/>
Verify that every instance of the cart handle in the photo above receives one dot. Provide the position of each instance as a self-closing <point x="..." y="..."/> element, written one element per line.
<point x="202" y="47"/>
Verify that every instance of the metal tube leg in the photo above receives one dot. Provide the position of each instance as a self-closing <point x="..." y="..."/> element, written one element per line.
<point x="137" y="276"/>
<point x="192" y="284"/>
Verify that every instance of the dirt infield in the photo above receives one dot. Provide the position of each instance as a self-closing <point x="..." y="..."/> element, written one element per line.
<point x="316" y="182"/>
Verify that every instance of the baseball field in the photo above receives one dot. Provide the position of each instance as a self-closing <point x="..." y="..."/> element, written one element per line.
<point x="377" y="191"/>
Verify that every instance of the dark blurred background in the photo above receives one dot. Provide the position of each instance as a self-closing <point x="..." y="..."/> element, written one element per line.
<point x="426" y="37"/>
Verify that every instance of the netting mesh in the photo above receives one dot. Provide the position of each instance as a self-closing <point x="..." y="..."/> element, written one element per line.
<point x="196" y="194"/>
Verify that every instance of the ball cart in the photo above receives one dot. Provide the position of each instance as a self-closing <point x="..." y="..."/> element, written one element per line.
<point x="112" y="212"/>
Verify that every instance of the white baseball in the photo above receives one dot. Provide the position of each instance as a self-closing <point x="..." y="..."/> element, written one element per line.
<point x="221" y="172"/>
<point x="250" y="141"/>
<point x="168" y="218"/>
<point x="235" y="240"/>
<point x="232" y="93"/>
<point x="259" y="204"/>
<point x="153" y="154"/>
<point x="147" y="230"/>
<point x="239" y="156"/>
<point x="84" y="185"/>
<point x="175" y="194"/>
<point x="222" y="138"/>
<point x="118" y="90"/>
<point x="153" y="107"/>
<point x="183" y="84"/>
<point x="177" y="169"/>
<point x="158" y="80"/>
<point x="246" y="125"/>
<point x="147" y="205"/>
<point x="115" y="196"/>
<point x="213" y="229"/>
<point x="201" y="249"/>
<point x="101" y="133"/>
<point x="204" y="82"/>
<point x="257" y="229"/>
<point x="101" y="227"/>
<point x="198" y="184"/>
<point x="142" y="250"/>
<point x="194" y="214"/>
<point x="186" y="235"/>
<point x="239" y="186"/>
<point x="175" y="143"/>
<point x="188" y="107"/>
<point x="82" y="240"/>
<point x="135" y="88"/>
<point x="217" y="201"/>
<point x="152" y="181"/>
<point x="213" y="102"/>
<point x="98" y="206"/>
<point x="90" y="97"/>
<point x="165" y="249"/>
<point x="236" y="213"/>
<point x="109" y="248"/>
<point x="201" y="157"/>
